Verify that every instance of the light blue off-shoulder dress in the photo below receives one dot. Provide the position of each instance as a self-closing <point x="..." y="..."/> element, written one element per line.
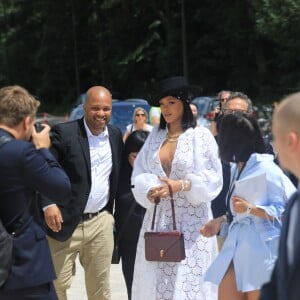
<point x="252" y="242"/>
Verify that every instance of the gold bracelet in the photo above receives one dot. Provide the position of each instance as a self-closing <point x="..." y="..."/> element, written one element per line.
<point x="187" y="185"/>
<point x="182" y="185"/>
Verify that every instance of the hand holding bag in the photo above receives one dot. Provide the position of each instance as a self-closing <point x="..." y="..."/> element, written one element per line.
<point x="164" y="246"/>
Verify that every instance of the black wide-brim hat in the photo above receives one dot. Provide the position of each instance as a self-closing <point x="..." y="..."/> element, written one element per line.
<point x="176" y="86"/>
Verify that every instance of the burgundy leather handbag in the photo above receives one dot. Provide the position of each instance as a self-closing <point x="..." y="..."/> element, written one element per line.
<point x="164" y="246"/>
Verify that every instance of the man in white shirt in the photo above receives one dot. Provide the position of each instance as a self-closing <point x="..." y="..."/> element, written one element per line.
<point x="89" y="150"/>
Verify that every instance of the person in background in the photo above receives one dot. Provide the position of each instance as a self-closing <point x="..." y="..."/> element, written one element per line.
<point x="284" y="283"/>
<point x="128" y="213"/>
<point x="236" y="102"/>
<point x="90" y="151"/>
<point x="194" y="110"/>
<point x="186" y="157"/>
<point x="154" y="115"/>
<point x="139" y="122"/>
<point x="253" y="211"/>
<point x="222" y="96"/>
<point x="27" y="166"/>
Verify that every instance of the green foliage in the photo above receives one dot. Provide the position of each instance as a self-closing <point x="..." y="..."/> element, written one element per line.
<point x="58" y="49"/>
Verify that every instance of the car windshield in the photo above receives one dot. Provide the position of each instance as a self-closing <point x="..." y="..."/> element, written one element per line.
<point x="76" y="113"/>
<point x="201" y="104"/>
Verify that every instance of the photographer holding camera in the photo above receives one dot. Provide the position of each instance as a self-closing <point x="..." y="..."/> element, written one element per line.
<point x="27" y="167"/>
<point x="223" y="96"/>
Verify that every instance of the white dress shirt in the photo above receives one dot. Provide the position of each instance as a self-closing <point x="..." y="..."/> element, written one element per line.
<point x="101" y="165"/>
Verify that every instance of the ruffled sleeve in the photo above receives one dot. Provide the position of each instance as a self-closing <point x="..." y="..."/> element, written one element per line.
<point x="206" y="177"/>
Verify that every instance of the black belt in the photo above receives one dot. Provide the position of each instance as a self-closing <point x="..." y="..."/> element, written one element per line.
<point x="89" y="216"/>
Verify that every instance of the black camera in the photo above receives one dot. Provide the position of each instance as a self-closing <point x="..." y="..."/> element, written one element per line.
<point x="38" y="126"/>
<point x="217" y="114"/>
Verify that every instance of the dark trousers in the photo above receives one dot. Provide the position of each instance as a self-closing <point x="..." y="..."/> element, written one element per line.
<point x="41" y="292"/>
<point x="127" y="251"/>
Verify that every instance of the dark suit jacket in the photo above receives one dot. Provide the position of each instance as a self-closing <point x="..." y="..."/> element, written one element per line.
<point x="285" y="280"/>
<point x="24" y="170"/>
<point x="71" y="148"/>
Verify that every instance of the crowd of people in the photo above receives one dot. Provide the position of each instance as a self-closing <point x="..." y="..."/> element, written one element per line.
<point x="65" y="190"/>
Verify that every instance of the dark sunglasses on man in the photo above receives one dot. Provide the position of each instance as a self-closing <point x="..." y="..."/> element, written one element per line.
<point x="228" y="111"/>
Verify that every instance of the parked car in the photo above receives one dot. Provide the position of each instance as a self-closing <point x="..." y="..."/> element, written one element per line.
<point x="206" y="106"/>
<point x="76" y="112"/>
<point x="81" y="99"/>
<point x="122" y="112"/>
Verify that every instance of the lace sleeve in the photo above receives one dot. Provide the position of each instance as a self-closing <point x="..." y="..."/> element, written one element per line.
<point x="206" y="178"/>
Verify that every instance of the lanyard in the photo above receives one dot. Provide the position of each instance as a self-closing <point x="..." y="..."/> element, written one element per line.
<point x="235" y="177"/>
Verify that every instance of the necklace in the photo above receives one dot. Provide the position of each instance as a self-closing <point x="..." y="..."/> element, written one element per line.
<point x="173" y="138"/>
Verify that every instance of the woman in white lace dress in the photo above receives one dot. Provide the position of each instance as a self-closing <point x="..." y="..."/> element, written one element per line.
<point x="186" y="157"/>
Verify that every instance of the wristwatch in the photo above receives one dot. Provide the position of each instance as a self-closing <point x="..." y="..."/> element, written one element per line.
<point x="249" y="208"/>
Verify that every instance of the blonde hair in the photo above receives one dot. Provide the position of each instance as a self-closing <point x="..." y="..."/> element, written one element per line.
<point x="15" y="104"/>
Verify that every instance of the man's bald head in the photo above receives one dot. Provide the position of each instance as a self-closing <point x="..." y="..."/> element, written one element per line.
<point x="286" y="133"/>
<point x="287" y="114"/>
<point x="99" y="91"/>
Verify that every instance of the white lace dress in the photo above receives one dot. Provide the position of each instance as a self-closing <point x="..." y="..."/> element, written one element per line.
<point x="196" y="159"/>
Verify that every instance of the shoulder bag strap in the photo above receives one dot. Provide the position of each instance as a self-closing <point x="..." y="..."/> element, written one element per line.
<point x="172" y="207"/>
<point x="156" y="201"/>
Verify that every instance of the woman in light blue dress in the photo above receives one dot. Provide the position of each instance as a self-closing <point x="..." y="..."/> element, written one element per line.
<point x="256" y="201"/>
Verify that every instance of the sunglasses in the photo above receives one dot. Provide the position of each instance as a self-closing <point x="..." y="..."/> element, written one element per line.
<point x="224" y="99"/>
<point x="228" y="111"/>
<point x="140" y="115"/>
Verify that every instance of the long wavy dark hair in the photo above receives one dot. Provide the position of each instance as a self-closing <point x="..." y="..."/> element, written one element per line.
<point x="239" y="137"/>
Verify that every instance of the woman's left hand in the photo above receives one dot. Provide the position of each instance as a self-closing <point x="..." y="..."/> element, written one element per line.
<point x="175" y="184"/>
<point x="239" y="204"/>
<point x="162" y="191"/>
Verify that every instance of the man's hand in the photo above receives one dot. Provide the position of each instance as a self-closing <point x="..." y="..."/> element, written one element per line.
<point x="53" y="218"/>
<point x="41" y="139"/>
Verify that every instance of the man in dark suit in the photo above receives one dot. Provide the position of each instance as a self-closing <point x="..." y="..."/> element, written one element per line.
<point x="27" y="166"/>
<point x="284" y="283"/>
<point x="90" y="152"/>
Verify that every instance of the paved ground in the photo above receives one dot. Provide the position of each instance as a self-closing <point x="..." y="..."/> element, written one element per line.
<point x="118" y="288"/>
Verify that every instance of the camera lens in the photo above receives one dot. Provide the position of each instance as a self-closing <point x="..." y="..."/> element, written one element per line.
<point x="38" y="127"/>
